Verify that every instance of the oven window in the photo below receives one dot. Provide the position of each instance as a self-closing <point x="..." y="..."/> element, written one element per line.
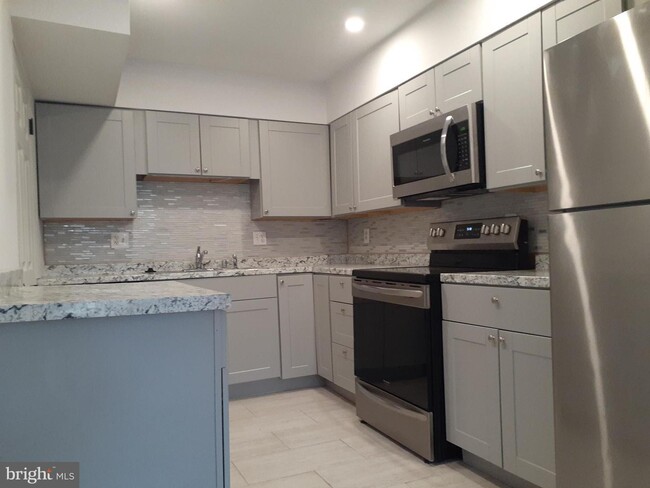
<point x="392" y="349"/>
<point x="420" y="158"/>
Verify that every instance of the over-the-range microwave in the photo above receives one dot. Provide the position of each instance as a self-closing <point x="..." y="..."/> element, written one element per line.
<point x="441" y="157"/>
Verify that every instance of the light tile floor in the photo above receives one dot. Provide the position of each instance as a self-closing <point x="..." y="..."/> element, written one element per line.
<point x="313" y="439"/>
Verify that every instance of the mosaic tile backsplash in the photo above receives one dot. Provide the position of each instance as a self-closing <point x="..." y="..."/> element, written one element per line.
<point x="407" y="233"/>
<point x="173" y="218"/>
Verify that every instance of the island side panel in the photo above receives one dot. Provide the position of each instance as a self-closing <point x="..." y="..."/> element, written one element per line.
<point x="136" y="400"/>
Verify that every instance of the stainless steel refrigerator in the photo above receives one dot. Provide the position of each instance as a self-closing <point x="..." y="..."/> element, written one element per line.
<point x="597" y="91"/>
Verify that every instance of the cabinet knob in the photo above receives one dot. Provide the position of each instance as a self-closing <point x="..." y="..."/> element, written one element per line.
<point x="432" y="112"/>
<point x="266" y="212"/>
<point x="538" y="172"/>
<point x="354" y="207"/>
<point x="345" y="353"/>
<point x="502" y="340"/>
<point x="132" y="213"/>
<point x="282" y="282"/>
<point x="197" y="170"/>
<point x="205" y="170"/>
<point x="492" y="338"/>
<point x="342" y="283"/>
<point x="350" y="207"/>
<point x="495" y="299"/>
<point x="343" y="311"/>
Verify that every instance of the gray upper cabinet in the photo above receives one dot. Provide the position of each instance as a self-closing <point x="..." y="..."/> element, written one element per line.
<point x="459" y="81"/>
<point x="295" y="171"/>
<point x="448" y="86"/>
<point x="342" y="166"/>
<point x="173" y="144"/>
<point x="512" y="91"/>
<point x="373" y="125"/>
<point x="323" y="331"/>
<point x="417" y="100"/>
<point x="140" y="131"/>
<point x="297" y="329"/>
<point x="225" y="146"/>
<point x="86" y="162"/>
<point x="567" y="18"/>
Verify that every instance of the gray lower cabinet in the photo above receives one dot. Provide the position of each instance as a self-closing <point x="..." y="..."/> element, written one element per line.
<point x="499" y="378"/>
<point x="173" y="144"/>
<point x="343" y="361"/>
<point x="225" y="146"/>
<point x="322" y="324"/>
<point x="514" y="119"/>
<point x="253" y="340"/>
<point x="448" y="86"/>
<point x="568" y="18"/>
<point x="295" y="171"/>
<point x="372" y="125"/>
<point x="297" y="328"/>
<point x="253" y="326"/>
<point x="86" y="162"/>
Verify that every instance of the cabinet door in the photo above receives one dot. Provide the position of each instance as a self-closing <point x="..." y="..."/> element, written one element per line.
<point x="322" y="324"/>
<point x="225" y="149"/>
<point x="342" y="155"/>
<point x="343" y="364"/>
<point x="253" y="340"/>
<point x="417" y="100"/>
<point x="512" y="91"/>
<point x="173" y="145"/>
<point x="459" y="81"/>
<point x="527" y="407"/>
<point x="86" y="162"/>
<point x="295" y="168"/>
<point x="568" y="18"/>
<point x="297" y="330"/>
<point x="373" y="178"/>
<point x="472" y="399"/>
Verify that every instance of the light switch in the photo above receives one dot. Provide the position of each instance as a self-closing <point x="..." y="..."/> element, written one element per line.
<point x="259" y="238"/>
<point x="366" y="236"/>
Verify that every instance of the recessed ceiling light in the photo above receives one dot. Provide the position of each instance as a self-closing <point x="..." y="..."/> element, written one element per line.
<point x="355" y="24"/>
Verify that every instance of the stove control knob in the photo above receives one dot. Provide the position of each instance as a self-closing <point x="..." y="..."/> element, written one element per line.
<point x="495" y="229"/>
<point x="441" y="232"/>
<point x="431" y="232"/>
<point x="505" y="229"/>
<point x="485" y="230"/>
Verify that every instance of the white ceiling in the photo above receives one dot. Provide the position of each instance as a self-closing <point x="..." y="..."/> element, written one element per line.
<point x="303" y="40"/>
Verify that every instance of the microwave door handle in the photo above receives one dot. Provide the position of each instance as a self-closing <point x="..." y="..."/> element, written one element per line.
<point x="443" y="147"/>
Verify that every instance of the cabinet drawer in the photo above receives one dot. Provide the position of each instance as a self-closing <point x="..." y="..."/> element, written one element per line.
<point x="240" y="287"/>
<point x="343" y="367"/>
<point x="516" y="309"/>
<point x="341" y="289"/>
<point x="342" y="323"/>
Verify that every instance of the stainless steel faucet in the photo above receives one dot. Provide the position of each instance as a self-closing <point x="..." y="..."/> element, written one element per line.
<point x="198" y="259"/>
<point x="234" y="261"/>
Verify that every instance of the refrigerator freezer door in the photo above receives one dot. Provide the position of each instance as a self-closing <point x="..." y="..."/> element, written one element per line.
<point x="600" y="301"/>
<point x="597" y="114"/>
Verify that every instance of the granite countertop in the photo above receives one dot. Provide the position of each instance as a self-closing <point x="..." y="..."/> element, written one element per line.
<point x="71" y="279"/>
<point x="515" y="279"/>
<point x="35" y="303"/>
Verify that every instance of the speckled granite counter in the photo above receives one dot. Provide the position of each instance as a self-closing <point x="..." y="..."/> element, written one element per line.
<point x="515" y="279"/>
<point x="71" y="279"/>
<point x="34" y="303"/>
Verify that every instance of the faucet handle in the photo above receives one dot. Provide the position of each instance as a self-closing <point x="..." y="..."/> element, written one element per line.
<point x="205" y="252"/>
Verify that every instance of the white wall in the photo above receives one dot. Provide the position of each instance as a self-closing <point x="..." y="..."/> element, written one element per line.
<point x="161" y="86"/>
<point x="106" y="15"/>
<point x="446" y="28"/>
<point x="9" y="258"/>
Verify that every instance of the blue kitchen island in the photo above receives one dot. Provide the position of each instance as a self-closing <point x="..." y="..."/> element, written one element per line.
<point x="127" y="379"/>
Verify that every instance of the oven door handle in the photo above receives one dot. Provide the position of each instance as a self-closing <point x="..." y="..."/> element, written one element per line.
<point x="380" y="290"/>
<point x="443" y="147"/>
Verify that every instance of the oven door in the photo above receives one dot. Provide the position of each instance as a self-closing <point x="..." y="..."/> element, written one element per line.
<point x="439" y="154"/>
<point x="393" y="339"/>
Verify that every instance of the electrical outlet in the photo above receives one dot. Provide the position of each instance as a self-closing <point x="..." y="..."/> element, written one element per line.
<point x="259" y="238"/>
<point x="366" y="236"/>
<point x="119" y="240"/>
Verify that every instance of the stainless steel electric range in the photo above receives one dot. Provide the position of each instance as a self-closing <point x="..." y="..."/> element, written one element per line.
<point x="398" y="330"/>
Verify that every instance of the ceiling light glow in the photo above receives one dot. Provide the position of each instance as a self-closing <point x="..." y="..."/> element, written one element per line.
<point x="355" y="24"/>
